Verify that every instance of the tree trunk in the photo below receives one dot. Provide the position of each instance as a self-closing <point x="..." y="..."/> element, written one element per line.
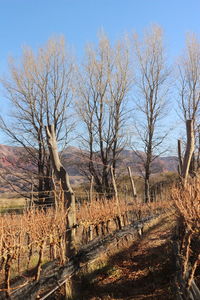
<point x="189" y="149"/>
<point x="91" y="188"/>
<point x="69" y="196"/>
<point x="198" y="152"/>
<point x="192" y="169"/>
<point x="146" y="189"/>
<point x="132" y="183"/>
<point x="180" y="160"/>
<point x="147" y="178"/>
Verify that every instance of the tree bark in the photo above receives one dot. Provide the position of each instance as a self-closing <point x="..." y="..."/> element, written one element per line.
<point x="147" y="176"/>
<point x="189" y="149"/>
<point x="91" y="188"/>
<point x="132" y="183"/>
<point x="69" y="196"/>
<point x="116" y="196"/>
<point x="180" y="160"/>
<point x="147" y="189"/>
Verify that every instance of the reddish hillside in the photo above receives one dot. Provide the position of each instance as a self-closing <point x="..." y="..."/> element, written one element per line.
<point x="15" y="160"/>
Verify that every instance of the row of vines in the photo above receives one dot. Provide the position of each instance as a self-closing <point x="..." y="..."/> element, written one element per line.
<point x="187" y="202"/>
<point x="37" y="236"/>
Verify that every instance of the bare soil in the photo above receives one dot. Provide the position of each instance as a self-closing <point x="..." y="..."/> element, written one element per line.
<point x="143" y="271"/>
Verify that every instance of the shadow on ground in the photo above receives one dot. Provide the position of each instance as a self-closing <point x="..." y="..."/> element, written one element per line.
<point x="145" y="270"/>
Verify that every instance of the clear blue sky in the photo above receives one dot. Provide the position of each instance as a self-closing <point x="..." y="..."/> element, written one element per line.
<point x="32" y="22"/>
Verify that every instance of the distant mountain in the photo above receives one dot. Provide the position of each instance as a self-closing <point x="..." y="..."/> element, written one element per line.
<point x="74" y="161"/>
<point x="15" y="160"/>
<point x="13" y="165"/>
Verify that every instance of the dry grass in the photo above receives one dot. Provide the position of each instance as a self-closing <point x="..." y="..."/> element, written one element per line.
<point x="9" y="203"/>
<point x="33" y="237"/>
<point x="187" y="202"/>
<point x="105" y="209"/>
<point x="37" y="236"/>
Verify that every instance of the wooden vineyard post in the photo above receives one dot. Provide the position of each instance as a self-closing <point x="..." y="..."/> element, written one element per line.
<point x="132" y="183"/>
<point x="68" y="290"/>
<point x="40" y="260"/>
<point x="116" y="197"/>
<point x="115" y="187"/>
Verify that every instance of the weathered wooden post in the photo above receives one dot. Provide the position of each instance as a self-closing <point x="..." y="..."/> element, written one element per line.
<point x="114" y="186"/>
<point x="116" y="197"/>
<point x="132" y="183"/>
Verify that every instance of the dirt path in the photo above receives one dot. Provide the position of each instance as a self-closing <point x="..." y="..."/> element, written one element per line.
<point x="143" y="271"/>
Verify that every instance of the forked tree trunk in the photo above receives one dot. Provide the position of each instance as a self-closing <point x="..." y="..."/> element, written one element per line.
<point x="69" y="196"/>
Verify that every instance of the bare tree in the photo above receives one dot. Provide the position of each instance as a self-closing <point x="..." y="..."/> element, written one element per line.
<point x="189" y="91"/>
<point x="69" y="197"/>
<point x="103" y="86"/>
<point x="152" y="88"/>
<point x="39" y="92"/>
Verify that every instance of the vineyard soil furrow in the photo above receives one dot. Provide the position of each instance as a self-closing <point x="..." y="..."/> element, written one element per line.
<point x="143" y="271"/>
